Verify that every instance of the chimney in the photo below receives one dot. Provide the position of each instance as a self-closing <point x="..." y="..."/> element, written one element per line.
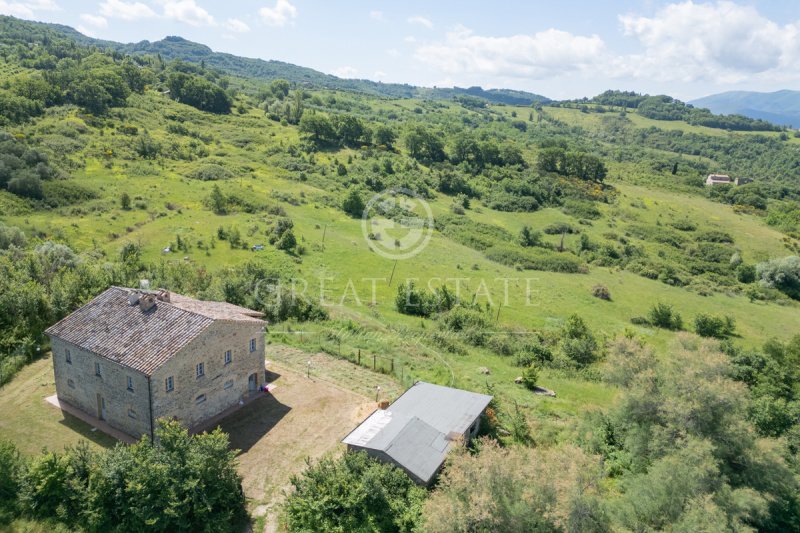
<point x="163" y="295"/>
<point x="133" y="297"/>
<point x="144" y="284"/>
<point x="147" y="302"/>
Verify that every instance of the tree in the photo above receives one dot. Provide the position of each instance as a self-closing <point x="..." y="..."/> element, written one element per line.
<point x="424" y="145"/>
<point x="318" y="128"/>
<point x="384" y="136"/>
<point x="279" y="88"/>
<point x="125" y="201"/>
<point x="530" y="377"/>
<point x="353" y="205"/>
<point x="782" y="274"/>
<point x="662" y="315"/>
<point x="518" y="489"/>
<point x="217" y="201"/>
<point x="578" y="342"/>
<point x="27" y="184"/>
<point x="353" y="493"/>
<point x="529" y="237"/>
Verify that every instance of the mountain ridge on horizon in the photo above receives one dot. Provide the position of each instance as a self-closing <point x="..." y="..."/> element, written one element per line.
<point x="176" y="47"/>
<point x="780" y="107"/>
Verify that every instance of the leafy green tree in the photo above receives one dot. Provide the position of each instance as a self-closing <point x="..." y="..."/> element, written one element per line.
<point x="279" y="88"/>
<point x="384" y="136"/>
<point x="217" y="201"/>
<point x="353" y="493"/>
<point x="530" y="377"/>
<point x="529" y="237"/>
<point x="577" y="342"/>
<point x="518" y="489"/>
<point x="125" y="201"/>
<point x="318" y="128"/>
<point x="424" y="145"/>
<point x="782" y="274"/>
<point x="662" y="315"/>
<point x="353" y="205"/>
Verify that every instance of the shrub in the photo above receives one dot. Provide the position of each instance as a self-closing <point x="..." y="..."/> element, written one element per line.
<point x="211" y="172"/>
<point x="713" y="326"/>
<point x="714" y="236"/>
<point x="529" y="259"/>
<point x="529" y="237"/>
<point x="125" y="201"/>
<point x="746" y="273"/>
<point x="557" y="228"/>
<point x="353" y="493"/>
<point x="663" y="316"/>
<point x="782" y="274"/>
<point x="353" y="205"/>
<point x="602" y="292"/>
<point x="578" y="342"/>
<point x="530" y="377"/>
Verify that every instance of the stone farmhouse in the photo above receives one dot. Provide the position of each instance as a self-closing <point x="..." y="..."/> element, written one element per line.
<point x="718" y="179"/>
<point x="130" y="357"/>
<point x="417" y="430"/>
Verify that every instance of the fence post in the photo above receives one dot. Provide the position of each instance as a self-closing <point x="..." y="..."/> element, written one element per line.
<point x="373" y="361"/>
<point x="359" y="357"/>
<point x="392" y="365"/>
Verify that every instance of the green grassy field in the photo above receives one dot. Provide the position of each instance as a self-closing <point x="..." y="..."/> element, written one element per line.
<point x="352" y="280"/>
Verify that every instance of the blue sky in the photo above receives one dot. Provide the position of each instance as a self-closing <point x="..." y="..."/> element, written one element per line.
<point x="561" y="49"/>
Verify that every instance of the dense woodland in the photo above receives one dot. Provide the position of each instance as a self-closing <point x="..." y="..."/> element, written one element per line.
<point x="702" y="437"/>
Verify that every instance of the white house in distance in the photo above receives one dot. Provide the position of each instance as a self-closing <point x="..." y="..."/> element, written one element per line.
<point x="718" y="179"/>
<point x="418" y="430"/>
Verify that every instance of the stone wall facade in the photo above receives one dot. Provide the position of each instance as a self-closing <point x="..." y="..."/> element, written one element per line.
<point x="192" y="399"/>
<point x="106" y="395"/>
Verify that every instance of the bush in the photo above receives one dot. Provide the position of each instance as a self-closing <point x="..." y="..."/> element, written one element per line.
<point x="557" y="228"/>
<point x="529" y="259"/>
<point x="353" y="205"/>
<point x="663" y="316"/>
<point x="353" y="493"/>
<point x="578" y="343"/>
<point x="782" y="274"/>
<point x="602" y="292"/>
<point x="712" y="326"/>
<point x="530" y="377"/>
<point x="211" y="172"/>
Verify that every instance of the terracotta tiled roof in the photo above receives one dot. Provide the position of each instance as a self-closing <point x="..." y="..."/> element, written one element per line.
<point x="110" y="326"/>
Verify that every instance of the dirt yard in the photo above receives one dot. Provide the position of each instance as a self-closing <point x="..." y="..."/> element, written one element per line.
<point x="301" y="418"/>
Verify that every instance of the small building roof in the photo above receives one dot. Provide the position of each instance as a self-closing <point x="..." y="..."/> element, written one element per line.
<point x="416" y="431"/>
<point x="724" y="178"/>
<point x="113" y="327"/>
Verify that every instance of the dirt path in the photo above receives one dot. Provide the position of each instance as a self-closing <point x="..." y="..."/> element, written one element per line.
<point x="303" y="418"/>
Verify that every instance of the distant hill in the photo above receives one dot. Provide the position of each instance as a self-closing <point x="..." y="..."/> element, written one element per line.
<point x="174" y="47"/>
<point x="780" y="107"/>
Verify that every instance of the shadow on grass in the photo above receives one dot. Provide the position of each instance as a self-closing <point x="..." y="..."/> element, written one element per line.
<point x="249" y="424"/>
<point x="85" y="430"/>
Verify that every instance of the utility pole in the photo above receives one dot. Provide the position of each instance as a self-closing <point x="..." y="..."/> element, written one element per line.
<point x="393" y="269"/>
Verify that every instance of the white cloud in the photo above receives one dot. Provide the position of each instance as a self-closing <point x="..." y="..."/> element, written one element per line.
<point x="188" y="12"/>
<point x="280" y="15"/>
<point x="94" y="20"/>
<point x="720" y="41"/>
<point x="27" y="9"/>
<point x="129" y="11"/>
<point x="345" y="72"/>
<point x="376" y="15"/>
<point x="237" y="26"/>
<point x="379" y="75"/>
<point x="410" y="39"/>
<point x="538" y="56"/>
<point x="420" y="21"/>
<point x="393" y="52"/>
<point x="86" y="31"/>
